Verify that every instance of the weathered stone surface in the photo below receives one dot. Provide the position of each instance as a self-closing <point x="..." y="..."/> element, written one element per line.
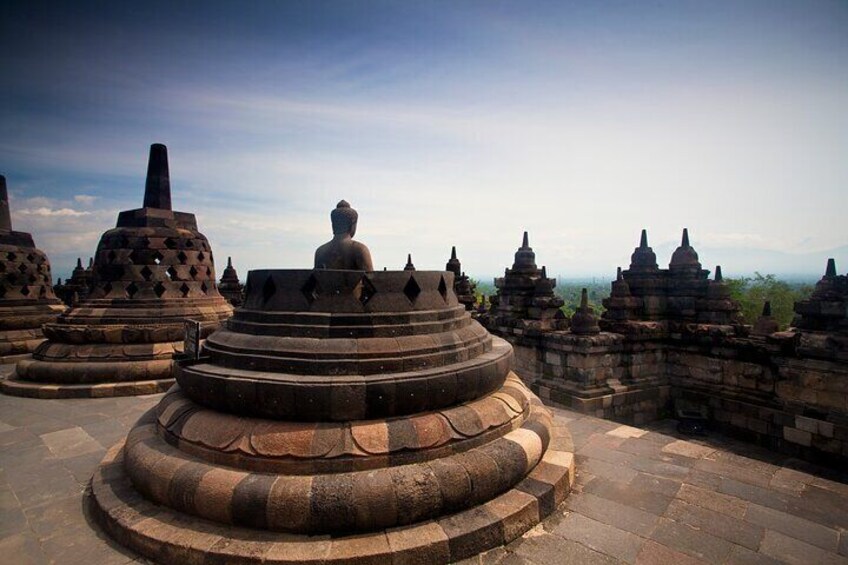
<point x="152" y="272"/>
<point x="27" y="298"/>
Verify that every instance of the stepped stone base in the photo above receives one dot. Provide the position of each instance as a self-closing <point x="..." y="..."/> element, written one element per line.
<point x="14" y="386"/>
<point x="167" y="536"/>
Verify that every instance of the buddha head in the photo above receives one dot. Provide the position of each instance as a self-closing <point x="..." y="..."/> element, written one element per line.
<point x="343" y="218"/>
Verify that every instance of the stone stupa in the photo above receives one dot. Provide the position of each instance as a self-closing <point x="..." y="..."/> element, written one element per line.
<point x="152" y="272"/>
<point x="27" y="299"/>
<point x="229" y="286"/>
<point x="342" y="415"/>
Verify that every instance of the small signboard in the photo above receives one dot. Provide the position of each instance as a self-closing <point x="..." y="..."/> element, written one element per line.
<point x="191" y="346"/>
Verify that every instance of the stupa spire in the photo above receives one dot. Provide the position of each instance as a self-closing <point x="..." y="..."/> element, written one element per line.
<point x="831" y="268"/>
<point x="453" y="252"/>
<point x="767" y="308"/>
<point x="157" y="188"/>
<point x="643" y="241"/>
<point x="409" y="266"/>
<point x="685" y="241"/>
<point x="5" y="215"/>
<point x="718" y="277"/>
<point x="525" y="242"/>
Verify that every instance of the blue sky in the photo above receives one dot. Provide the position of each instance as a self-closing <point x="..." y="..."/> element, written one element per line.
<point x="443" y="123"/>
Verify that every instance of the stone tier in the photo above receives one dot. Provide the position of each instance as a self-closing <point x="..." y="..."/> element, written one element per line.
<point x="318" y="501"/>
<point x="167" y="536"/>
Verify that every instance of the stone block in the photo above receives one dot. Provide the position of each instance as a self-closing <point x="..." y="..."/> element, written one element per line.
<point x="795" y="435"/>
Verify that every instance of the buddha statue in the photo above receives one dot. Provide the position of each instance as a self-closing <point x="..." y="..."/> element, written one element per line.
<point x="342" y="252"/>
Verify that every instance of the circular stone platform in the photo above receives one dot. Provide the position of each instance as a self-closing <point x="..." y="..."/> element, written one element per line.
<point x="338" y="417"/>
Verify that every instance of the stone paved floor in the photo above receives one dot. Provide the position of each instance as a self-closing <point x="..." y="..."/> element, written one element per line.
<point x="642" y="495"/>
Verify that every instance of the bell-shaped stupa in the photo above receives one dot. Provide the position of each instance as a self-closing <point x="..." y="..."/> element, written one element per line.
<point x="27" y="299"/>
<point x="342" y="415"/>
<point x="152" y="272"/>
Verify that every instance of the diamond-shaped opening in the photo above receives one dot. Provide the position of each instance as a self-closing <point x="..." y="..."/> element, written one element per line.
<point x="184" y="290"/>
<point x="42" y="292"/>
<point x="172" y="273"/>
<point x="182" y="258"/>
<point x="268" y="289"/>
<point x="366" y="290"/>
<point x="2" y="291"/>
<point x="157" y="258"/>
<point x="193" y="272"/>
<point x="112" y="256"/>
<point x="189" y="243"/>
<point x="107" y="288"/>
<point x="159" y="289"/>
<point x="170" y="243"/>
<point x="135" y="256"/>
<point x="12" y="277"/>
<point x="22" y="268"/>
<point x="204" y="288"/>
<point x="145" y="242"/>
<point x="131" y="289"/>
<point x="25" y="290"/>
<point x="32" y="279"/>
<point x="30" y="257"/>
<point x="123" y="242"/>
<point x="201" y="256"/>
<point x="443" y="289"/>
<point x="412" y="290"/>
<point x="310" y="289"/>
<point x="146" y="273"/>
<point x="11" y="256"/>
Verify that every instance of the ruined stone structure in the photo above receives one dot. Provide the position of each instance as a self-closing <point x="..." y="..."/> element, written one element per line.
<point x="462" y="285"/>
<point x="525" y="300"/>
<point x="340" y="416"/>
<point x="78" y="287"/>
<point x="672" y="339"/>
<point x="151" y="273"/>
<point x="27" y="299"/>
<point x="230" y="287"/>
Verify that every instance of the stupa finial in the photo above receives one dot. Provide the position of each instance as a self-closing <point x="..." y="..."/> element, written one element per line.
<point x="718" y="277"/>
<point x="453" y="252"/>
<point x="584" y="299"/>
<point x="831" y="268"/>
<point x="767" y="308"/>
<point x="229" y="262"/>
<point x="643" y="241"/>
<point x="79" y="262"/>
<point x="685" y="241"/>
<point x="409" y="266"/>
<point x="157" y="189"/>
<point x="5" y="215"/>
<point x="525" y="242"/>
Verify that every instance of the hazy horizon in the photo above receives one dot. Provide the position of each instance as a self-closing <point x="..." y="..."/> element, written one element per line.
<point x="443" y="124"/>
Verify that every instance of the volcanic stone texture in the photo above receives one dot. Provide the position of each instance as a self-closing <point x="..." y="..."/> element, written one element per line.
<point x="27" y="299"/>
<point x="365" y="411"/>
<point x="151" y="273"/>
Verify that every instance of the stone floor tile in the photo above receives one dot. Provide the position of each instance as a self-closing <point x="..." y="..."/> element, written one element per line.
<point x="712" y="500"/>
<point x="24" y="547"/>
<point x="743" y="556"/>
<point x="790" y="480"/>
<point x="599" y="468"/>
<point x="70" y="443"/>
<point x="719" y="525"/>
<point x="624" y="493"/>
<point x="548" y="548"/>
<point x="659" y="485"/>
<point x="736" y="472"/>
<point x="697" y="543"/>
<point x="600" y="537"/>
<point x="791" y="550"/>
<point x="654" y="553"/>
<point x="843" y="543"/>
<point x="627" y="432"/>
<point x="612" y="513"/>
<point x="660" y="468"/>
<point x="688" y="449"/>
<point x="793" y="526"/>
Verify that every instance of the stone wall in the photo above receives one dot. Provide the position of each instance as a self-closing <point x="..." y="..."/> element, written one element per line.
<point x="758" y="388"/>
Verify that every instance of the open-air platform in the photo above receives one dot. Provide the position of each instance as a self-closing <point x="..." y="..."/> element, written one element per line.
<point x="642" y="495"/>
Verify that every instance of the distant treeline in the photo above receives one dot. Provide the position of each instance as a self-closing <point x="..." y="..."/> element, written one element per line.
<point x="750" y="292"/>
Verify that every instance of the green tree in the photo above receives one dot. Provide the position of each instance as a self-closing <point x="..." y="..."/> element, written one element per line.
<point x="752" y="292"/>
